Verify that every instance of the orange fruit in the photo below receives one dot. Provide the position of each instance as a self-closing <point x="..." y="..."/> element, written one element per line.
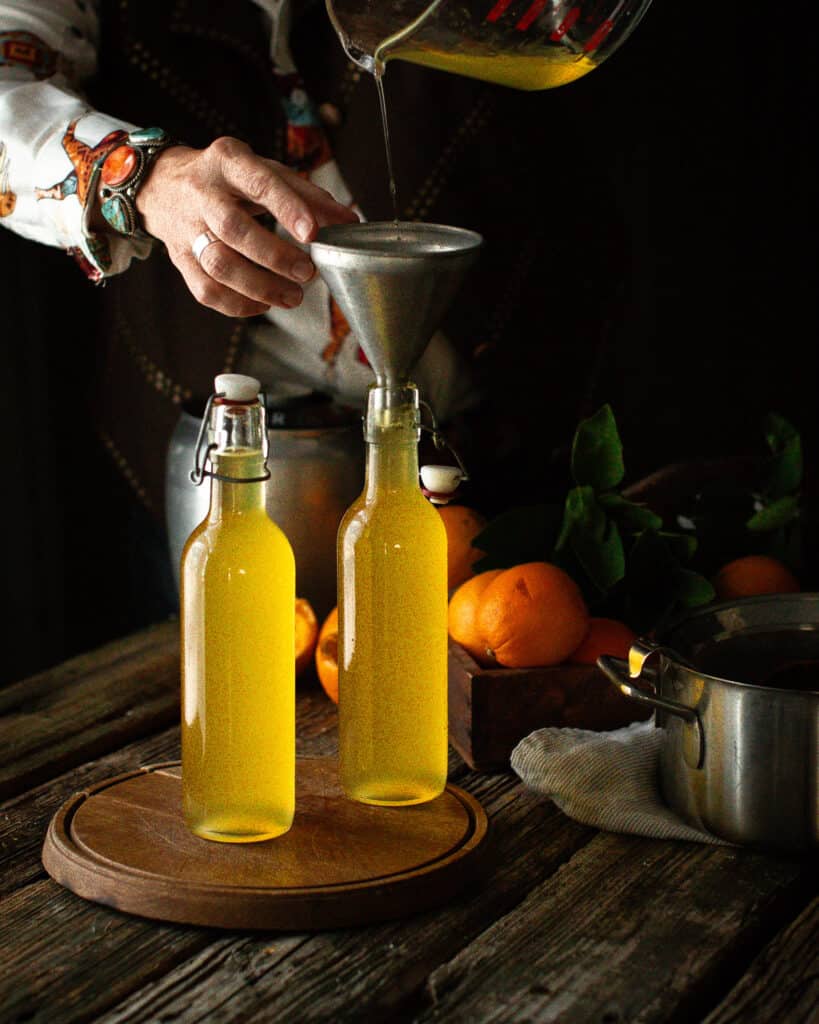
<point x="462" y="525"/>
<point x="532" y="614"/>
<point x="605" y="636"/>
<point x="463" y="615"/>
<point x="306" y="633"/>
<point x="754" y="574"/>
<point x="327" y="655"/>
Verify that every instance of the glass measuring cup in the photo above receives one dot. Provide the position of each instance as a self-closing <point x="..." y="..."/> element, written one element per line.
<point x="527" y="44"/>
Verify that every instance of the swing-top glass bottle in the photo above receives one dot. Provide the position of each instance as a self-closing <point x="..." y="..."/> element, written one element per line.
<point x="392" y="618"/>
<point x="238" y="637"/>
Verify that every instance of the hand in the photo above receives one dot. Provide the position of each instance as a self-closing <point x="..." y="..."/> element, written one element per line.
<point x="219" y="189"/>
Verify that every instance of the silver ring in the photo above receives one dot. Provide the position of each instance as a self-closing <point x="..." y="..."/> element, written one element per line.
<point x="200" y="243"/>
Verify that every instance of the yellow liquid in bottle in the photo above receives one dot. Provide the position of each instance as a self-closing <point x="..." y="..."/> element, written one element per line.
<point x="546" y="70"/>
<point x="392" y="637"/>
<point x="238" y="669"/>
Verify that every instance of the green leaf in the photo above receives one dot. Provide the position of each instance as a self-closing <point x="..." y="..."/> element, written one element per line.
<point x="577" y="512"/>
<point x="628" y="514"/>
<point x="787" y="464"/>
<point x="692" y="589"/>
<point x="592" y="538"/>
<point x="602" y="557"/>
<point x="522" y="534"/>
<point x="566" y="527"/>
<point x="597" y="452"/>
<point x="778" y="513"/>
<point x="581" y="512"/>
<point x="682" y="545"/>
<point x="778" y="431"/>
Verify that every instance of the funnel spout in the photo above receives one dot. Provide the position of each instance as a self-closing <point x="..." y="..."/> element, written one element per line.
<point x="393" y="281"/>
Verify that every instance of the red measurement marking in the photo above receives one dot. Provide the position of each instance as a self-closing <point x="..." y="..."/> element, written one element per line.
<point x="598" y="37"/>
<point x="498" y="10"/>
<point x="530" y="15"/>
<point x="565" y="25"/>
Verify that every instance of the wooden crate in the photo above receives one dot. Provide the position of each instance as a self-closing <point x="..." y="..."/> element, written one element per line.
<point x="491" y="710"/>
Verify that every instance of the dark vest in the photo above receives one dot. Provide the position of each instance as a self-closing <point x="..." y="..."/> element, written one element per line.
<point x="466" y="153"/>
<point x="200" y="70"/>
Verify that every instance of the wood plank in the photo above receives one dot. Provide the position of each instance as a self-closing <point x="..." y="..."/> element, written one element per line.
<point x="98" y="702"/>
<point x="632" y="930"/>
<point x="61" y="958"/>
<point x="64" y="959"/>
<point x="59" y="973"/>
<point x="782" y="984"/>
<point x="24" y="819"/>
<point x="124" y="843"/>
<point x="74" y="668"/>
<point x="365" y="974"/>
<point x="86" y="709"/>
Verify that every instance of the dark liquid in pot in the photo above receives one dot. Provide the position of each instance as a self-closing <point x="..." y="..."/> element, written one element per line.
<point x="784" y="659"/>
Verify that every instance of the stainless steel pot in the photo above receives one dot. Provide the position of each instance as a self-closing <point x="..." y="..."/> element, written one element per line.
<point x="735" y="688"/>
<point x="316" y="464"/>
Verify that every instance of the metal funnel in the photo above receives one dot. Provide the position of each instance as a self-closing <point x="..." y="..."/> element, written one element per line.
<point x="393" y="281"/>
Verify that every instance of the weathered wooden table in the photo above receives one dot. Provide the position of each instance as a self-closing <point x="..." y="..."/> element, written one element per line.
<point x="571" y="925"/>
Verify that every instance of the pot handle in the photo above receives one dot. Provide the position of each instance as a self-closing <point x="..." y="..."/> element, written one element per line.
<point x="622" y="673"/>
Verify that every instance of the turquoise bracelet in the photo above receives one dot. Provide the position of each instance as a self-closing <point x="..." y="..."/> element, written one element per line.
<point x="122" y="171"/>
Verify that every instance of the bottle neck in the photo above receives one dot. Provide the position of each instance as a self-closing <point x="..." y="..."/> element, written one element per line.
<point x="391" y="430"/>
<point x="229" y="498"/>
<point x="236" y="434"/>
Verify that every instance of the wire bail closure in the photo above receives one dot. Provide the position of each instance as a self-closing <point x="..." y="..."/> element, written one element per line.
<point x="439" y="441"/>
<point x="198" y="473"/>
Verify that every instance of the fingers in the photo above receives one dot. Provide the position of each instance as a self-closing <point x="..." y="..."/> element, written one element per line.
<point x="299" y="206"/>
<point x="238" y="230"/>
<point x="231" y="285"/>
<point x="224" y="265"/>
<point x="326" y="209"/>
<point x="249" y="268"/>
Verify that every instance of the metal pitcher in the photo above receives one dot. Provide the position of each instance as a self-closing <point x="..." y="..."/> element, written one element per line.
<point x="735" y="688"/>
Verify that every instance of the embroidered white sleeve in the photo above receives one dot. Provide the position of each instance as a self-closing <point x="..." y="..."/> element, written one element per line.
<point x="47" y="49"/>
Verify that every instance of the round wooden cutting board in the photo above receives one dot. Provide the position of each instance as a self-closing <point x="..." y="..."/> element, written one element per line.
<point x="124" y="843"/>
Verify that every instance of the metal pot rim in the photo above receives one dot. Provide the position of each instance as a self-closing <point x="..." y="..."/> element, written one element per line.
<point x="728" y="609"/>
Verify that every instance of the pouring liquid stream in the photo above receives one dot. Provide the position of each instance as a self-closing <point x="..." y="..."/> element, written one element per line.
<point x="372" y="57"/>
<point x="385" y="127"/>
<point x="528" y="67"/>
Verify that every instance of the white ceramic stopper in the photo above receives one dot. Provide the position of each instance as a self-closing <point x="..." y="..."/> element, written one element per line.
<point x="236" y="387"/>
<point x="441" y="482"/>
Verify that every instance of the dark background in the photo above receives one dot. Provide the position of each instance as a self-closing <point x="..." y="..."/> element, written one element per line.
<point x="705" y="152"/>
<point x="686" y="161"/>
<point x="681" y="174"/>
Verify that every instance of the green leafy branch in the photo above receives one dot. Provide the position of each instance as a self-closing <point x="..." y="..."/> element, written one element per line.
<point x="616" y="549"/>
<point x="777" y="508"/>
<point x="613" y="538"/>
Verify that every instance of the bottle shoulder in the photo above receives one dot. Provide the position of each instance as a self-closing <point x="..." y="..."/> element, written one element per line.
<point x="413" y="523"/>
<point x="408" y="502"/>
<point x="245" y="530"/>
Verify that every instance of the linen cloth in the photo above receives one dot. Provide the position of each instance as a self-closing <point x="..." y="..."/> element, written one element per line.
<point x="606" y="779"/>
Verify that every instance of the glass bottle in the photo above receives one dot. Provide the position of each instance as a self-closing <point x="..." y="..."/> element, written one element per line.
<point x="392" y="619"/>
<point x="237" y="593"/>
